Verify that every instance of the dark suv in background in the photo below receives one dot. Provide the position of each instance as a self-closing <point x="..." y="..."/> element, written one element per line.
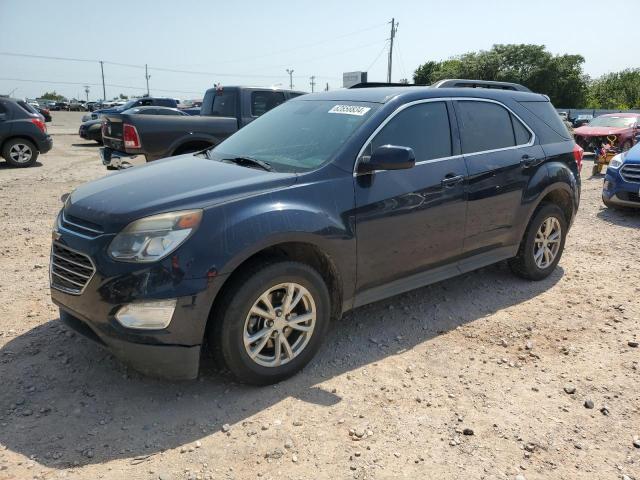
<point x="23" y="133"/>
<point x="327" y="202"/>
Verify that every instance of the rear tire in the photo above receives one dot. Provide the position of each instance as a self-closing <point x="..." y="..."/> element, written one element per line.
<point x="542" y="244"/>
<point x="286" y="349"/>
<point x="20" y="152"/>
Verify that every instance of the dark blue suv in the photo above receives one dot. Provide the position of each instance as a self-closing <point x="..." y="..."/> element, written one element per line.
<point x="622" y="180"/>
<point x="328" y="202"/>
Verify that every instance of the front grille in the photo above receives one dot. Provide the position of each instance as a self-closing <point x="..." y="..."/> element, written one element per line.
<point x="79" y="226"/>
<point x="70" y="270"/>
<point x="631" y="172"/>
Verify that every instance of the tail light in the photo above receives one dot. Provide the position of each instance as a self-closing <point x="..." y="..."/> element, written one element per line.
<point x="40" y="124"/>
<point x="578" y="153"/>
<point x="130" y="135"/>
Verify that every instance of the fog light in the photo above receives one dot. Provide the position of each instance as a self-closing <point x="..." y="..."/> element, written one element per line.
<point x="150" y="315"/>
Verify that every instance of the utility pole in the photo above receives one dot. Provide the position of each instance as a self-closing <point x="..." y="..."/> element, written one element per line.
<point x="312" y="82"/>
<point x="86" y="91"/>
<point x="326" y="89"/>
<point x="290" y="72"/>
<point x="104" y="91"/>
<point x="394" y="29"/>
<point x="147" y="77"/>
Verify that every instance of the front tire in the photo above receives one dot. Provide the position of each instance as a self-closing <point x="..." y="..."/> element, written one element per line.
<point x="542" y="244"/>
<point x="20" y="152"/>
<point x="270" y="322"/>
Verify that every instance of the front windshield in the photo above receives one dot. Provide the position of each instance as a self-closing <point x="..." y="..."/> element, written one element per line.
<point x="613" y="122"/>
<point x="297" y="136"/>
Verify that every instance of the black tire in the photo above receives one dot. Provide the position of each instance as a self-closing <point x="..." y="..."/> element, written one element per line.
<point x="524" y="264"/>
<point x="227" y="332"/>
<point x="9" y="149"/>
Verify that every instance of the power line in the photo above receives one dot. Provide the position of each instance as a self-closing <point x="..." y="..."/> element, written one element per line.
<point x="115" y="85"/>
<point x="384" y="47"/>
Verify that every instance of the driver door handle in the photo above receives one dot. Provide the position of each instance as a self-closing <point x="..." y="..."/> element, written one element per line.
<point x="451" y="179"/>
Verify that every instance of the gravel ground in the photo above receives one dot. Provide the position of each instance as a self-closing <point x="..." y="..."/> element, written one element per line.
<point x="484" y="376"/>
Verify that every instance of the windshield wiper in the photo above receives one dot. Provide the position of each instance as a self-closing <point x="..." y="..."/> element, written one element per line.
<point x="249" y="162"/>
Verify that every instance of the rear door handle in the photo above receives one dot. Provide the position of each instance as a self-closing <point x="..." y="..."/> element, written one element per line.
<point x="450" y="180"/>
<point x="528" y="161"/>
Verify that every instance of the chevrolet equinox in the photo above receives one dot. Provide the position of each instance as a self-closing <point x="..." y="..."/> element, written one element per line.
<point x="328" y="202"/>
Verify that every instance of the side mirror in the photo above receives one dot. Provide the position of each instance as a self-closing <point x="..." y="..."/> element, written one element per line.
<point x="388" y="157"/>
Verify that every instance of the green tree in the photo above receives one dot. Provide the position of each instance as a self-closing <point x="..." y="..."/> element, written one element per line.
<point x="618" y="90"/>
<point x="52" y="96"/>
<point x="558" y="76"/>
<point x="123" y="97"/>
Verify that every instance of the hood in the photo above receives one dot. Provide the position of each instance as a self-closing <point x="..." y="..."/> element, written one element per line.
<point x="587" y="131"/>
<point x="176" y="183"/>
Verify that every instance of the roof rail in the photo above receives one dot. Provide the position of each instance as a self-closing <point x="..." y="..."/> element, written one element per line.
<point x="462" y="83"/>
<point x="384" y="84"/>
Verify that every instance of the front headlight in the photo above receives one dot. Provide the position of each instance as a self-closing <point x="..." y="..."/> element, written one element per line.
<point x="617" y="161"/>
<point x="153" y="238"/>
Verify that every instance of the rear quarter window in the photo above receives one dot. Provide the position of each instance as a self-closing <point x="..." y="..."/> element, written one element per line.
<point x="27" y="108"/>
<point x="548" y="115"/>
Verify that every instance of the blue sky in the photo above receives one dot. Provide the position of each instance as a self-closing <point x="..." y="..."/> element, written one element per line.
<point x="253" y="42"/>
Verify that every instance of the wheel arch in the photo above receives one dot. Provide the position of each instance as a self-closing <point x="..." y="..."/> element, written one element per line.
<point x="301" y="249"/>
<point x="182" y="143"/>
<point x="20" y="136"/>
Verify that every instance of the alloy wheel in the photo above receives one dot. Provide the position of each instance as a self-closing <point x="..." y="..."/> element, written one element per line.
<point x="20" y="153"/>
<point x="547" y="242"/>
<point x="279" y="325"/>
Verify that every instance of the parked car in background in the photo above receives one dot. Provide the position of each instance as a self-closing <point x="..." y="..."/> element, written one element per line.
<point x="191" y="111"/>
<point x="621" y="186"/>
<point x="619" y="128"/>
<point x="23" y="133"/>
<point x="92" y="129"/>
<point x="581" y="120"/>
<point x="135" y="102"/>
<point x="255" y="244"/>
<point x="46" y="114"/>
<point x="75" y="106"/>
<point x="62" y="106"/>
<point x="223" y="112"/>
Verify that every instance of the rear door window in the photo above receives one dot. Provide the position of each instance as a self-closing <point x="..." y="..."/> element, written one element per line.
<point x="263" y="101"/>
<point x="424" y="128"/>
<point x="484" y="126"/>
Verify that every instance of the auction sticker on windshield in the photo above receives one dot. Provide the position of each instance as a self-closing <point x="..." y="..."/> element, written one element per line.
<point x="350" y="110"/>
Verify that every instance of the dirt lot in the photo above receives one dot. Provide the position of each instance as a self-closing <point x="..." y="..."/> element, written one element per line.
<point x="469" y="378"/>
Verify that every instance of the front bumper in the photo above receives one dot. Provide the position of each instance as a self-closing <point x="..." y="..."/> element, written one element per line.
<point x="172" y="352"/>
<point x="171" y="362"/>
<point x="617" y="191"/>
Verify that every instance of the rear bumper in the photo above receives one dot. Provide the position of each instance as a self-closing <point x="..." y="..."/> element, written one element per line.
<point x="171" y="362"/>
<point x="114" y="158"/>
<point x="44" y="144"/>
